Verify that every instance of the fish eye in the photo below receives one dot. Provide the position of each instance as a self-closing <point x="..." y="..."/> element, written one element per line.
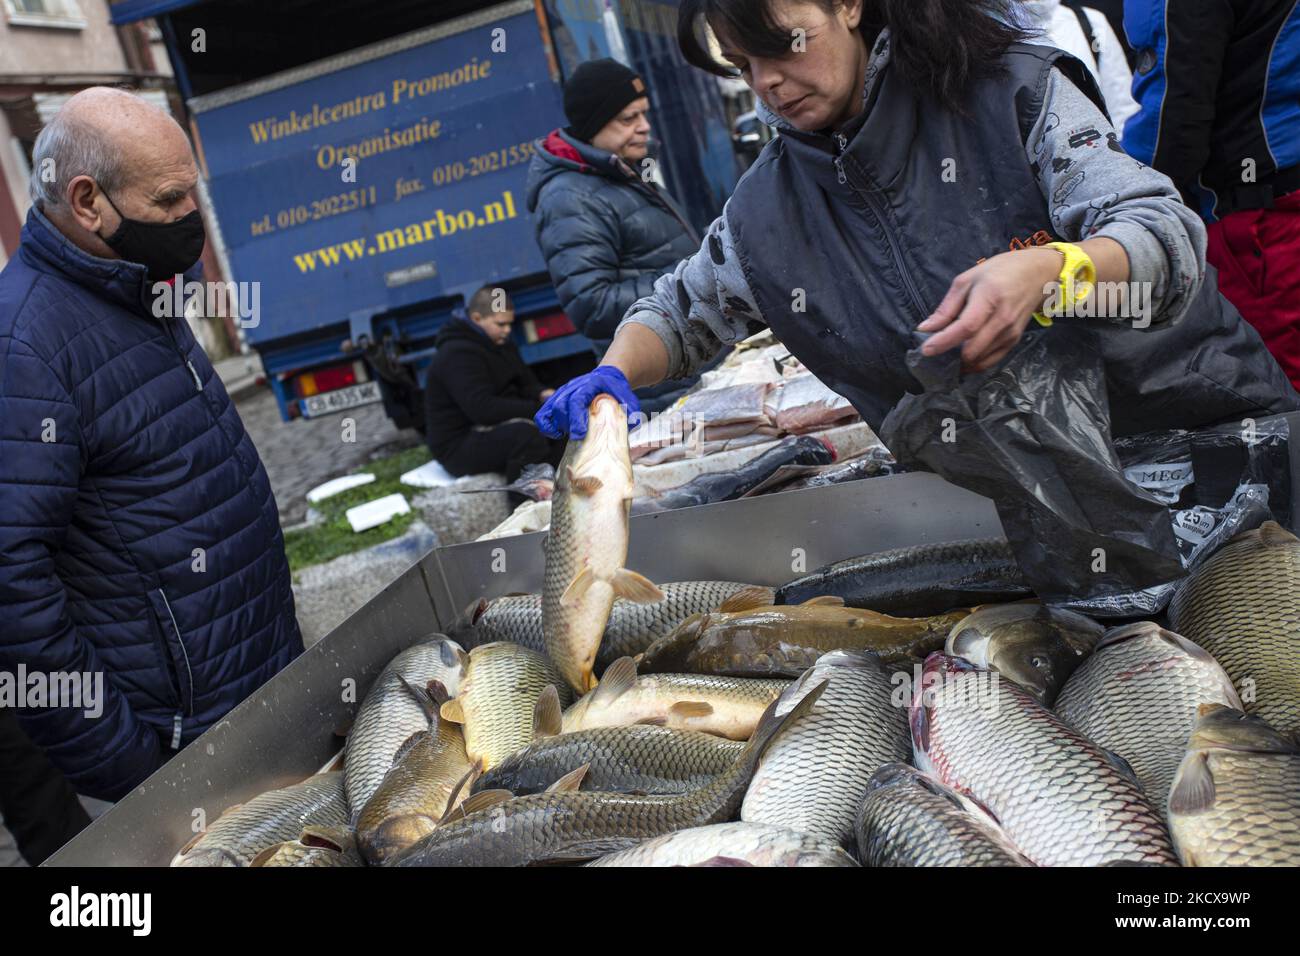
<point x="1037" y="662"/>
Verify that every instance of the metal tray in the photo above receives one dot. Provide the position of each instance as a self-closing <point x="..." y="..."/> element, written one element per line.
<point x="286" y="730"/>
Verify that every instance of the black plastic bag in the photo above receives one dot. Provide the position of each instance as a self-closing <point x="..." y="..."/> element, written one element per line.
<point x="1217" y="482"/>
<point x="1033" y="434"/>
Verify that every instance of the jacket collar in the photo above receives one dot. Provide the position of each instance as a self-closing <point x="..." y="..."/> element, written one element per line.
<point x="585" y="158"/>
<point x="124" y="283"/>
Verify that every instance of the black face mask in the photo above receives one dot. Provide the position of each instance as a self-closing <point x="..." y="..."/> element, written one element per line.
<point x="165" y="249"/>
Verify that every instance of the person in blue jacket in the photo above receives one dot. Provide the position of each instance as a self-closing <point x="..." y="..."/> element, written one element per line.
<point x="1218" y="83"/>
<point x="142" y="567"/>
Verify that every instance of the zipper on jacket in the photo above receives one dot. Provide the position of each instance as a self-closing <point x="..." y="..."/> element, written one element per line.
<point x="198" y="382"/>
<point x="188" y="705"/>
<point x="878" y="211"/>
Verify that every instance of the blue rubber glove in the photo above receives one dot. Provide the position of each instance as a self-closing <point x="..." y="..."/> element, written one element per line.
<point x="565" y="412"/>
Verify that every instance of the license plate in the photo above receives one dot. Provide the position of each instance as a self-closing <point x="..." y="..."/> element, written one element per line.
<point x="339" y="399"/>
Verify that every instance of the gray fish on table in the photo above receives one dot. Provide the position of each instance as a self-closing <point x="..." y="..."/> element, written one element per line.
<point x="1038" y="647"/>
<point x="571" y="825"/>
<point x="1236" y="797"/>
<point x="639" y="758"/>
<point x="1063" y="800"/>
<point x="586" y="548"/>
<point x="632" y="626"/>
<point x="814" y="778"/>
<point x="315" y="847"/>
<point x="910" y="819"/>
<point x="389" y="715"/>
<point x="1138" y="696"/>
<point x="732" y="844"/>
<point x="1243" y="607"/>
<point x="917" y="582"/>
<point x="726" y="706"/>
<point x="427" y="779"/>
<point x="270" y="818"/>
<point x="498" y="701"/>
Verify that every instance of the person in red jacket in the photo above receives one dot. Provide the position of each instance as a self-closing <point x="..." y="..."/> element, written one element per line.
<point x="480" y="396"/>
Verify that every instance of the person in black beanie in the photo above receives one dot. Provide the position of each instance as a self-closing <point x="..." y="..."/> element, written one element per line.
<point x="606" y="229"/>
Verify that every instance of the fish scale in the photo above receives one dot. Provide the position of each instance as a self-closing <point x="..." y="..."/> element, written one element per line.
<point x="587" y="824"/>
<point x="752" y="844"/>
<point x="1249" y="816"/>
<point x="907" y="819"/>
<point x="651" y="759"/>
<point x="275" y="816"/>
<point x="814" y="778"/>
<point x="389" y="714"/>
<point x="631" y="629"/>
<point x="500" y="689"/>
<point x="1137" y="696"/>
<point x="1059" y="797"/>
<point x="1243" y="607"/>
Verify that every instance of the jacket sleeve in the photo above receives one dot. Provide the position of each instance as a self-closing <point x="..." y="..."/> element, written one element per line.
<point x="579" y="238"/>
<point x="1185" y="41"/>
<point x="1095" y="189"/>
<point x="528" y="381"/>
<point x="469" y="382"/>
<point x="97" y="741"/>
<point x="701" y="306"/>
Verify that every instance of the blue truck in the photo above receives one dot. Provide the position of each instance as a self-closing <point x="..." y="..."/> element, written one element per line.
<point x="370" y="175"/>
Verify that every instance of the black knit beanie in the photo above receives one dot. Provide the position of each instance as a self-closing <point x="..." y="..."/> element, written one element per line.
<point x="596" y="93"/>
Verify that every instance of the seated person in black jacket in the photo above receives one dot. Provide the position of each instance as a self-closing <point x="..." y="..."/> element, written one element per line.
<point x="480" y="397"/>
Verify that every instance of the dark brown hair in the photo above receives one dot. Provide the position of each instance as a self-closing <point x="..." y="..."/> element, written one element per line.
<point x="939" y="46"/>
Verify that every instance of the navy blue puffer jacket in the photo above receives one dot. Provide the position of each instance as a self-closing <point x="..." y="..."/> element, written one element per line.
<point x="606" y="235"/>
<point x="138" y="534"/>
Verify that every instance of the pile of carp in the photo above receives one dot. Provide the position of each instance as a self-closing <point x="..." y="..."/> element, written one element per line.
<point x="909" y="708"/>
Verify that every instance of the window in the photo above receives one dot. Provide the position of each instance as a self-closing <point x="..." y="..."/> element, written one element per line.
<point x="65" y="14"/>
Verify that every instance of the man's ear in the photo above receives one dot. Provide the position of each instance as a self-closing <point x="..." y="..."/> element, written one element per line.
<point x="476" y="318"/>
<point x="80" y="197"/>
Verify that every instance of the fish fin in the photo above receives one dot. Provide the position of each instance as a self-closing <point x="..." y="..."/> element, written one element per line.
<point x="1273" y="534"/>
<point x="690" y="708"/>
<point x="548" y="719"/>
<point x="451" y="710"/>
<point x="635" y="587"/>
<point x="653" y="721"/>
<point x="466" y="781"/>
<point x="578" y="586"/>
<point x="424" y="699"/>
<point x="264" y="857"/>
<point x="570" y="781"/>
<point x="748" y="599"/>
<point x="482" y="800"/>
<point x="617" y="680"/>
<point x="189" y="844"/>
<point x="407" y="744"/>
<point x="1119" y="763"/>
<point x="919" y="721"/>
<point x="771" y="724"/>
<point x="824" y="600"/>
<point x="470" y="616"/>
<point x="452" y="654"/>
<point x="328" y="838"/>
<point x="584" y="484"/>
<point x="1194" y="787"/>
<point x="437" y="692"/>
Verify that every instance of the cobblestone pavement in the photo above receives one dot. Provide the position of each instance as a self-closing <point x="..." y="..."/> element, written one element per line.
<point x="301" y="454"/>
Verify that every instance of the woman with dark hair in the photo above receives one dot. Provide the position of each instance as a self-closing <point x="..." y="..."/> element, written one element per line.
<point x="927" y="158"/>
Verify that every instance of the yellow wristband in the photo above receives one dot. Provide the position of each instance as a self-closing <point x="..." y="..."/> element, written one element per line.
<point x="1076" y="282"/>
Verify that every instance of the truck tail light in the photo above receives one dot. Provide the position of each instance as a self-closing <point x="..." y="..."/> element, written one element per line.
<point x="331" y="378"/>
<point x="543" y="327"/>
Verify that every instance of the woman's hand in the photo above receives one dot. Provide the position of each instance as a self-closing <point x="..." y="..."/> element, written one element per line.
<point x="988" y="307"/>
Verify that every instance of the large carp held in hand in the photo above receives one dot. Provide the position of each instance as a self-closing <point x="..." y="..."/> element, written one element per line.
<point x="907" y="708"/>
